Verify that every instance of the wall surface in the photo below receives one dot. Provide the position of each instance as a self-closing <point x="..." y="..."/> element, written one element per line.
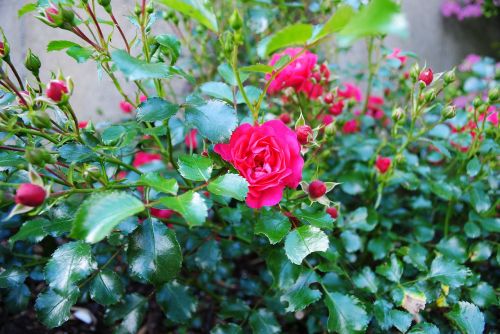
<point x="440" y="42"/>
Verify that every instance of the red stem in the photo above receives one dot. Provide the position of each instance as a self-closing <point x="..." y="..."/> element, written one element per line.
<point x="121" y="31"/>
<point x="95" y="22"/>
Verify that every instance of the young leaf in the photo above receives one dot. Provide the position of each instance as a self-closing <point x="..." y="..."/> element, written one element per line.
<point x="215" y="120"/>
<point x="195" y="167"/>
<point x="231" y="185"/>
<point x="273" y="225"/>
<point x="467" y="318"/>
<point x="190" y="205"/>
<point x="106" y="288"/>
<point x="101" y="212"/>
<point x="76" y="153"/>
<point x="196" y="9"/>
<point x="156" y="109"/>
<point x="69" y="264"/>
<point x="176" y="302"/>
<point x="53" y="307"/>
<point x="60" y="45"/>
<point x="170" y="46"/>
<point x="292" y="35"/>
<point x="346" y="314"/>
<point x="303" y="241"/>
<point x="154" y="253"/>
<point x="300" y="294"/>
<point x="159" y="183"/>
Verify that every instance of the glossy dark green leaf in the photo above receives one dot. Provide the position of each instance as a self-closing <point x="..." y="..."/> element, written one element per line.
<point x="106" y="288"/>
<point x="218" y="90"/>
<point x="226" y="329"/>
<point x="176" y="301"/>
<point x="12" y="277"/>
<point x="424" y="328"/>
<point x="382" y="312"/>
<point x="129" y="314"/>
<point x="69" y="264"/>
<point x="351" y="240"/>
<point x="215" y="120"/>
<point x="300" y="294"/>
<point x="274" y="225"/>
<point x="76" y="153"/>
<point x="454" y="248"/>
<point x="284" y="272"/>
<point x="367" y="280"/>
<point x="479" y="199"/>
<point x="480" y="251"/>
<point x="159" y="183"/>
<point x="53" y="308"/>
<point x="467" y="318"/>
<point x="346" y="314"/>
<point x="156" y="109"/>
<point x="231" y="185"/>
<point x="154" y="254"/>
<point x="170" y="46"/>
<point x="264" y="322"/>
<point x="190" y="205"/>
<point x="303" y="241"/>
<point x="17" y="298"/>
<point x="208" y="255"/>
<point x="401" y="320"/>
<point x="315" y="217"/>
<point x="448" y="272"/>
<point x="195" y="167"/>
<point x="32" y="231"/>
<point x="473" y="167"/>
<point x="392" y="270"/>
<point x="137" y="69"/>
<point x="100" y="213"/>
<point x="483" y="295"/>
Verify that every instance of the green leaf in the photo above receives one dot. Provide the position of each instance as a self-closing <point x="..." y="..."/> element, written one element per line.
<point x="195" y="9"/>
<point x="448" y="272"/>
<point x="473" y="167"/>
<point x="258" y="68"/>
<point x="377" y="18"/>
<point x="190" y="205"/>
<point x="176" y="302"/>
<point x="69" y="264"/>
<point x="11" y="159"/>
<point x="60" y="45"/>
<point x="483" y="295"/>
<point x="131" y="313"/>
<point x="27" y="8"/>
<point x="101" y="212"/>
<point x="481" y="251"/>
<point x="154" y="253"/>
<point x="195" y="167"/>
<point x="208" y="255"/>
<point x="401" y="320"/>
<point x="467" y="318"/>
<point x="264" y="322"/>
<point x="231" y="185"/>
<point x="159" y="183"/>
<point x="227" y="329"/>
<point x="81" y="55"/>
<point x="315" y="217"/>
<point x="136" y="69"/>
<point x="300" y="294"/>
<point x="17" y="298"/>
<point x="215" y="120"/>
<point x="106" y="288"/>
<point x="479" y="199"/>
<point x="170" y="46"/>
<point x="156" y="109"/>
<point x="417" y="256"/>
<point x="454" y="248"/>
<point x="336" y="22"/>
<point x="12" y="277"/>
<point x="424" y="328"/>
<point x="382" y="311"/>
<point x="53" y="308"/>
<point x="346" y="314"/>
<point x="392" y="270"/>
<point x="303" y="241"/>
<point x="227" y="73"/>
<point x="292" y="35"/>
<point x="284" y="272"/>
<point x="76" y="153"/>
<point x="31" y="231"/>
<point x="351" y="240"/>
<point x="218" y="90"/>
<point x="357" y="219"/>
<point x="273" y="225"/>
<point x="366" y="280"/>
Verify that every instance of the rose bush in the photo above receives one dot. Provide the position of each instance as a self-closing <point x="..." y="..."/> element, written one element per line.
<point x="283" y="193"/>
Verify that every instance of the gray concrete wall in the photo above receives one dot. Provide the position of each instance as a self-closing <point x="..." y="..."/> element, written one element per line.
<point x="441" y="42"/>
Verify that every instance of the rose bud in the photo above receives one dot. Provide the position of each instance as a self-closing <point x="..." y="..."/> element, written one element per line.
<point x="426" y="76"/>
<point x="332" y="211"/>
<point x="82" y="124"/>
<point x="449" y="112"/>
<point x="328" y="98"/>
<point x="4" y="51"/>
<point x="52" y="13"/>
<point x="337" y="108"/>
<point x="317" y="189"/>
<point x="351" y="126"/>
<point x="190" y="140"/>
<point x="30" y="194"/>
<point x="204" y="153"/>
<point x="126" y="107"/>
<point x="26" y="97"/>
<point x="285" y="118"/>
<point x="161" y="213"/>
<point x="383" y="164"/>
<point x="56" y="89"/>
<point x="143" y="98"/>
<point x="32" y="63"/>
<point x="327" y="120"/>
<point x="304" y="134"/>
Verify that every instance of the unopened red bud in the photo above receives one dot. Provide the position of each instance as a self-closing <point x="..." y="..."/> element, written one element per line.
<point x="51" y="13"/>
<point x="383" y="164"/>
<point x="332" y="211"/>
<point x="286" y="118"/>
<point x="317" y="189"/>
<point x="304" y="134"/>
<point x="56" y="89"/>
<point x="328" y="98"/>
<point x="426" y="76"/>
<point x="30" y="194"/>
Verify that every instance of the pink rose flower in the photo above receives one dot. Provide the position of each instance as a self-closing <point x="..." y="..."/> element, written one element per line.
<point x="142" y="158"/>
<point x="83" y="124"/>
<point x="350" y="91"/>
<point x="190" y="140"/>
<point x="383" y="164"/>
<point x="396" y="55"/>
<point x="374" y="107"/>
<point x="126" y="107"/>
<point x="268" y="157"/>
<point x="295" y="74"/>
<point x="351" y="126"/>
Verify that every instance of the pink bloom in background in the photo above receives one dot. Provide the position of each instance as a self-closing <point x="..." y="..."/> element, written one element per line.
<point x="56" y="90"/>
<point x="491" y="116"/>
<point x="83" y="124"/>
<point x="374" y="107"/>
<point x="190" y="140"/>
<point x="143" y="98"/>
<point x="296" y="73"/>
<point x="327" y="120"/>
<point x="142" y="158"/>
<point x="312" y="90"/>
<point x="396" y="55"/>
<point x="468" y="62"/>
<point x="450" y="8"/>
<point x="383" y="164"/>
<point x="268" y="157"/>
<point x="126" y="107"/>
<point x="350" y="91"/>
<point x="161" y="213"/>
<point x="461" y="102"/>
<point x="351" y="126"/>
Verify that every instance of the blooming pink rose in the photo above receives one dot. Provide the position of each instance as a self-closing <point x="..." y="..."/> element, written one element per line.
<point x="312" y="90"/>
<point x="492" y="116"/>
<point x="351" y="126"/>
<point x="350" y="91"/>
<point x="126" y="107"/>
<point x="268" y="157"/>
<point x="296" y="73"/>
<point x="190" y="140"/>
<point x="142" y="158"/>
<point x="374" y="104"/>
